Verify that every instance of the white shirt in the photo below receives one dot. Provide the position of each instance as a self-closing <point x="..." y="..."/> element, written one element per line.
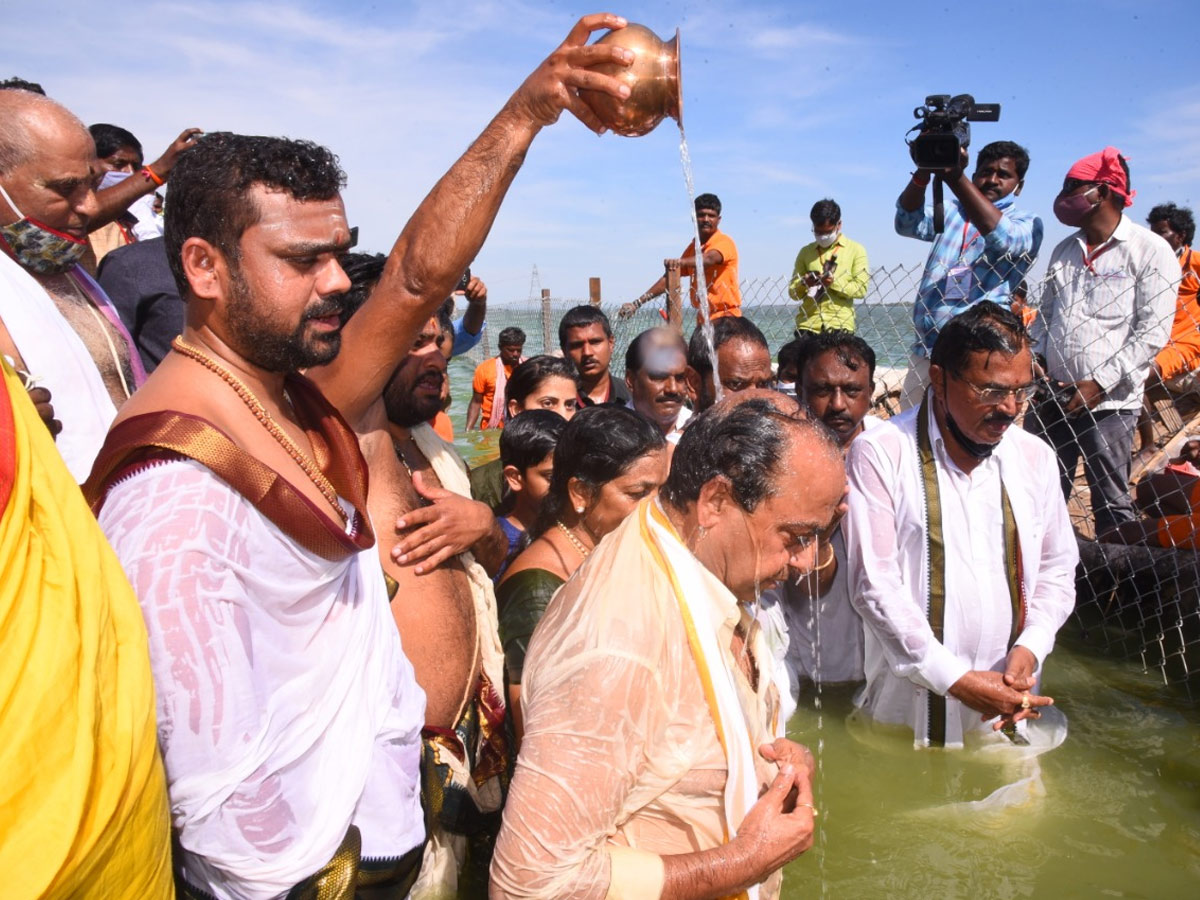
<point x="888" y="567"/>
<point x="58" y="360"/>
<point x="676" y="431"/>
<point x="1106" y="320"/>
<point x="287" y="710"/>
<point x="822" y="644"/>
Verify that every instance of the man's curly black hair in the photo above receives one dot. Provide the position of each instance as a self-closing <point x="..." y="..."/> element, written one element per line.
<point x="209" y="185"/>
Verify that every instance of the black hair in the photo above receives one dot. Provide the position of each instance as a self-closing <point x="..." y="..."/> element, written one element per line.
<point x="985" y="326"/>
<point x="744" y="443"/>
<point x="111" y="138"/>
<point x="824" y="211"/>
<point x="530" y="438"/>
<point x="1180" y="218"/>
<point x="364" y="271"/>
<point x="791" y="353"/>
<point x="852" y="351"/>
<point x="210" y="182"/>
<point x="20" y="84"/>
<point x="445" y="317"/>
<point x="599" y="444"/>
<point x="1002" y="149"/>
<point x="511" y="337"/>
<point x="708" y="201"/>
<point x="581" y="317"/>
<point x="635" y="353"/>
<point x="529" y="375"/>
<point x="725" y="329"/>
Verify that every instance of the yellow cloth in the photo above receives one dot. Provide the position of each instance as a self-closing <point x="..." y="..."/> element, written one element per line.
<point x="83" y="807"/>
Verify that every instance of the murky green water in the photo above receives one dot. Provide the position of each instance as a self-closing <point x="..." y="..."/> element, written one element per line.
<point x="1117" y="813"/>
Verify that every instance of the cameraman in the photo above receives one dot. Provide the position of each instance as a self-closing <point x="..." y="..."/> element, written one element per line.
<point x="983" y="252"/>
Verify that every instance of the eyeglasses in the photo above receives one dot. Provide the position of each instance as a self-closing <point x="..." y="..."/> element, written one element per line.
<point x="994" y="396"/>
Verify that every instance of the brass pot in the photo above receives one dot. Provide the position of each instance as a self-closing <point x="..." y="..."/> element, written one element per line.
<point x="654" y="79"/>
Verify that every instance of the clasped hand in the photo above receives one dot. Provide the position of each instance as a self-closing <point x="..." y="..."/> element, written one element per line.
<point x="1003" y="694"/>
<point x="446" y="527"/>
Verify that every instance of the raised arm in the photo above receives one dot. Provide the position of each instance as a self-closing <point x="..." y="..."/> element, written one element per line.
<point x="112" y="201"/>
<point x="450" y="225"/>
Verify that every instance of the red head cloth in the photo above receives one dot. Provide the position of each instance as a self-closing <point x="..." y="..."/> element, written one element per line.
<point x="1105" y="168"/>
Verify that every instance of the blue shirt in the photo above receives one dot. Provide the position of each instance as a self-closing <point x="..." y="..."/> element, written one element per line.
<point x="463" y="339"/>
<point x="998" y="262"/>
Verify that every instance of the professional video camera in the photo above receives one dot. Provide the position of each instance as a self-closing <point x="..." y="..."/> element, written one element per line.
<point x="943" y="129"/>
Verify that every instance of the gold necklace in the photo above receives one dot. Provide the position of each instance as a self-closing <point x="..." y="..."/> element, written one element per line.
<point x="302" y="459"/>
<point x="575" y="542"/>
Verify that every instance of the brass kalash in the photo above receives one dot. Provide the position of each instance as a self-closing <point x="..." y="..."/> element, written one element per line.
<point x="655" y="85"/>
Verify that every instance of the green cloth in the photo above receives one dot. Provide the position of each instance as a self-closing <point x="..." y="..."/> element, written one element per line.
<point x="850" y="281"/>
<point x="487" y="483"/>
<point x="521" y="601"/>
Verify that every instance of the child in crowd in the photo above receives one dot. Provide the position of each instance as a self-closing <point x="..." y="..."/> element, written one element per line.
<point x="527" y="454"/>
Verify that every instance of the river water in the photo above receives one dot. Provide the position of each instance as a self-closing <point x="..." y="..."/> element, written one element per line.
<point x="1116" y="813"/>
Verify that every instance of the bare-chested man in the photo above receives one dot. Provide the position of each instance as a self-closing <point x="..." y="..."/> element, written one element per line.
<point x="235" y="497"/>
<point x="438" y="548"/>
<point x="55" y="321"/>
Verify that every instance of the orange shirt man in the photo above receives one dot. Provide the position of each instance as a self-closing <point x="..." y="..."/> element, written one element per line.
<point x="486" y="409"/>
<point x="719" y="254"/>
<point x="1181" y="355"/>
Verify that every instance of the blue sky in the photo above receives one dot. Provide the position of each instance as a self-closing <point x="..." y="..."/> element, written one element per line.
<point x="785" y="103"/>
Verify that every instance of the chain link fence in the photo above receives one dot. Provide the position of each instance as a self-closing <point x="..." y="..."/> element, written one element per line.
<point x="1138" y="587"/>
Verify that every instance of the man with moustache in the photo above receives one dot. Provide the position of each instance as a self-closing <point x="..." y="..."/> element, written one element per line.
<point x="235" y="496"/>
<point x="743" y="360"/>
<point x="449" y="547"/>
<point x="586" y="338"/>
<point x="982" y="253"/>
<point x="836" y="374"/>
<point x="656" y="373"/>
<point x="719" y="257"/>
<point x="961" y="555"/>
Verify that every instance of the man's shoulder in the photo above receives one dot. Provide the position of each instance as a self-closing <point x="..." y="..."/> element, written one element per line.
<point x="852" y="245"/>
<point x="720" y="240"/>
<point x="620" y="390"/>
<point x="1018" y="213"/>
<point x="886" y="438"/>
<point x="486" y="368"/>
<point x="1154" y="246"/>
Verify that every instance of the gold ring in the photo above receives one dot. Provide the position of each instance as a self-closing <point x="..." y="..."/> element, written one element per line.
<point x="815" y="811"/>
<point x="1025" y="702"/>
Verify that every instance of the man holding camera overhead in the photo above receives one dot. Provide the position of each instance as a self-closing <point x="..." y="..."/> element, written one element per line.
<point x="982" y="253"/>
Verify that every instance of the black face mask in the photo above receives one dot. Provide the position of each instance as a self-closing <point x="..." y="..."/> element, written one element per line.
<point x="974" y="448"/>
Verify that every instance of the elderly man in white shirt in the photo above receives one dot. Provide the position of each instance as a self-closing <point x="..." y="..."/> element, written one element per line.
<point x="961" y="554"/>
<point x="1106" y="311"/>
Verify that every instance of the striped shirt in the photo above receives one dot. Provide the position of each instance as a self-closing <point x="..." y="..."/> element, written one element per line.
<point x="1106" y="313"/>
<point x="998" y="262"/>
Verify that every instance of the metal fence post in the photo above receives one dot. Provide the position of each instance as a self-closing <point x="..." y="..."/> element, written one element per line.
<point x="674" y="307"/>
<point x="545" y="320"/>
<point x="594" y="291"/>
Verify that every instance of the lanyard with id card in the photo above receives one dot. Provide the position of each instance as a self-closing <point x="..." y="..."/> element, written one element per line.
<point x="960" y="278"/>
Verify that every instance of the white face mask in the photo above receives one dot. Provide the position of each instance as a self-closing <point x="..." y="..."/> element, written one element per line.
<point x="826" y="240"/>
